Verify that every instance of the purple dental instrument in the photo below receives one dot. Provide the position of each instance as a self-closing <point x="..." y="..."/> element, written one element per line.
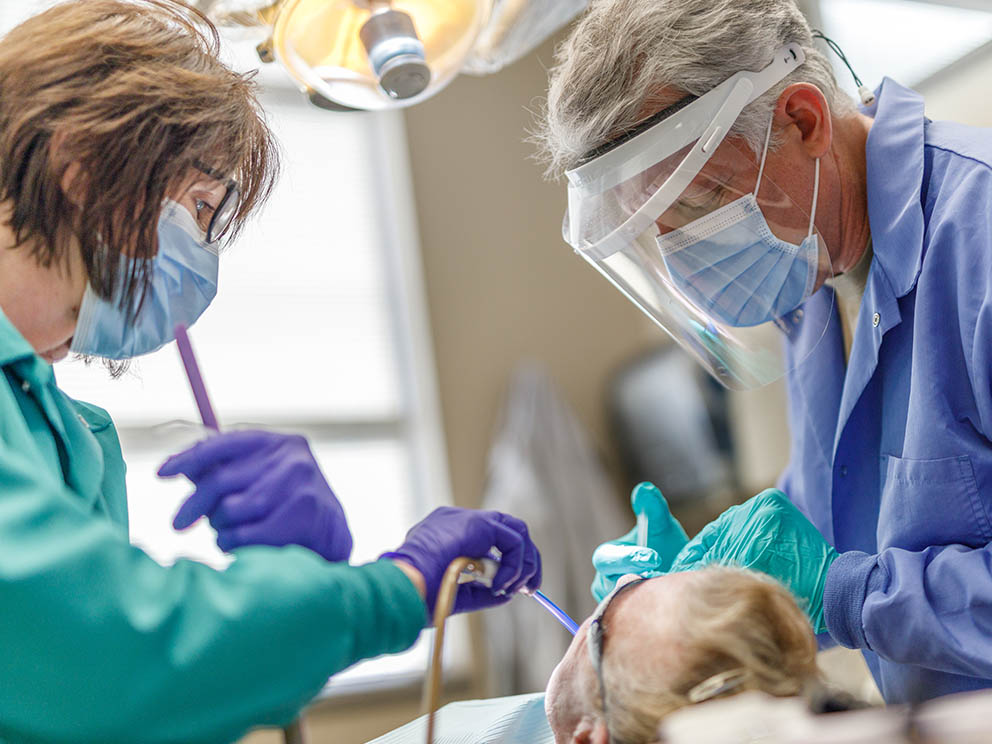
<point x="195" y="379"/>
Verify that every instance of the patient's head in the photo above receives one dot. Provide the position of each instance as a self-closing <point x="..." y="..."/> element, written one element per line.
<point x="675" y="640"/>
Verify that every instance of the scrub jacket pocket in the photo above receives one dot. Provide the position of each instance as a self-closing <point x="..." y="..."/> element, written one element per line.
<point x="931" y="502"/>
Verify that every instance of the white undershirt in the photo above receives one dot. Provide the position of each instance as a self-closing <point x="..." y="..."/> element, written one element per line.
<point x="849" y="289"/>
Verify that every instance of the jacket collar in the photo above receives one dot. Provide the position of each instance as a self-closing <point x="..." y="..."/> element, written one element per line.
<point x="14" y="349"/>
<point x="895" y="182"/>
<point x="13" y="346"/>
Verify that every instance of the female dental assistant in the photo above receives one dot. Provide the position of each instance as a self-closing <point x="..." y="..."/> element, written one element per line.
<point x="128" y="153"/>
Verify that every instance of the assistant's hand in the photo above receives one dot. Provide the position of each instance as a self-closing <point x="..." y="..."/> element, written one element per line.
<point x="448" y="533"/>
<point x="767" y="533"/>
<point x="623" y="556"/>
<point x="261" y="488"/>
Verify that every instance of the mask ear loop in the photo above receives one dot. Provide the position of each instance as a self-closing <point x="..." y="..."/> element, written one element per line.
<point x="764" y="154"/>
<point x="816" y="179"/>
<point x="816" y="196"/>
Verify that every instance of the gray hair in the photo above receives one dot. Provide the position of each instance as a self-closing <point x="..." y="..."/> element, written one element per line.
<point x="612" y="69"/>
<point x="730" y="620"/>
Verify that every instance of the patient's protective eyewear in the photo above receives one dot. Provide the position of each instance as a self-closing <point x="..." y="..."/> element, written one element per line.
<point x="596" y="640"/>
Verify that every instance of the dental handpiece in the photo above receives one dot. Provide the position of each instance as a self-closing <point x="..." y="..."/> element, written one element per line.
<point x="483" y="570"/>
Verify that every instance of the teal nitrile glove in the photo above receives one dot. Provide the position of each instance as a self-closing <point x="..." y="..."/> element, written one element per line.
<point x="767" y="533"/>
<point x="665" y="538"/>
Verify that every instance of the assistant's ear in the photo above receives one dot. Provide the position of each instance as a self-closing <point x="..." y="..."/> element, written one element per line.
<point x="590" y="731"/>
<point x="72" y="183"/>
<point x="803" y="106"/>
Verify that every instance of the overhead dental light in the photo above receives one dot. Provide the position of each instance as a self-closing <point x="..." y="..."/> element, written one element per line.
<point x="375" y="55"/>
<point x="379" y="54"/>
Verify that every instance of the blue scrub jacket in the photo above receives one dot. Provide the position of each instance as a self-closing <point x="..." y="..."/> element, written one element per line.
<point x="891" y="457"/>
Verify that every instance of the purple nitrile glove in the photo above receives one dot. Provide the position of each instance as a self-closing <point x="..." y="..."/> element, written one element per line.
<point x="261" y="488"/>
<point x="448" y="533"/>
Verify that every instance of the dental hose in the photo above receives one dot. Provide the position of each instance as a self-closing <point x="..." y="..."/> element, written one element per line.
<point x="460" y="571"/>
<point x="443" y="606"/>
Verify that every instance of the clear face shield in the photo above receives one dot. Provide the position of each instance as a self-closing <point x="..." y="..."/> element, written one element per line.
<point x="688" y="226"/>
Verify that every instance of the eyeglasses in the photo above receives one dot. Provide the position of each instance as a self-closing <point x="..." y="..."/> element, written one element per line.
<point x="223" y="216"/>
<point x="718" y="684"/>
<point x="596" y="639"/>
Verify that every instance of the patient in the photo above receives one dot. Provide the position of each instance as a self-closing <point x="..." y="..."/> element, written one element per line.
<point x="673" y="641"/>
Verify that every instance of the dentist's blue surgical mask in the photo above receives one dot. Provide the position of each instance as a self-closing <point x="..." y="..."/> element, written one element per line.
<point x="732" y="265"/>
<point x="183" y="283"/>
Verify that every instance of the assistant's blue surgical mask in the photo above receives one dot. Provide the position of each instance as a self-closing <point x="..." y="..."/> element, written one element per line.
<point x="183" y="283"/>
<point x="732" y="265"/>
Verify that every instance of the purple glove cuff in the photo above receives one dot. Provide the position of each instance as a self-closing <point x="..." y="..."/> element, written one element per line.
<point x="430" y="582"/>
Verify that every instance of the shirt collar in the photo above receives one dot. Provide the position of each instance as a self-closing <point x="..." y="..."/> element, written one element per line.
<point x="15" y="348"/>
<point x="895" y="182"/>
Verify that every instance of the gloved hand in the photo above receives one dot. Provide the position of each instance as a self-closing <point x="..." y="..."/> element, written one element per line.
<point x="622" y="556"/>
<point x="767" y="533"/>
<point x="448" y="533"/>
<point x="261" y="488"/>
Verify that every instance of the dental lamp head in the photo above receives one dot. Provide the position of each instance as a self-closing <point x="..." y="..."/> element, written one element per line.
<point x="396" y="54"/>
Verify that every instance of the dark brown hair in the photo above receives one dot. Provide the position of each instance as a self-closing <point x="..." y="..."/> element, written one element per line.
<point x="133" y="91"/>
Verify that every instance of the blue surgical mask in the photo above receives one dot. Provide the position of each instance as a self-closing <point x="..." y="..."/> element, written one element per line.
<point x="183" y="283"/>
<point x="732" y="265"/>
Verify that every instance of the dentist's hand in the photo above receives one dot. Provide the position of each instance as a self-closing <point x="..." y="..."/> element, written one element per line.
<point x="261" y="488"/>
<point x="623" y="556"/>
<point x="767" y="533"/>
<point x="448" y="533"/>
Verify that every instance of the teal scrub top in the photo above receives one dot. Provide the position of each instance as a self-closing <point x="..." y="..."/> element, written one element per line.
<point x="98" y="642"/>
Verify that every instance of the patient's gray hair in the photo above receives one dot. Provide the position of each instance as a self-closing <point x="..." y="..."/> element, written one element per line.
<point x="612" y="71"/>
<point x="730" y="621"/>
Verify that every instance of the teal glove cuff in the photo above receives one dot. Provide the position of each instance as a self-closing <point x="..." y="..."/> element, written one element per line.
<point x="815" y="601"/>
<point x="850" y="579"/>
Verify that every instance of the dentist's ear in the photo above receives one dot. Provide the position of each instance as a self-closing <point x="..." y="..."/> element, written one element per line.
<point x="590" y="730"/>
<point x="803" y="106"/>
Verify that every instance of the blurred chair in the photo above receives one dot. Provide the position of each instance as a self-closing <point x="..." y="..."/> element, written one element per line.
<point x="544" y="470"/>
<point x="670" y="422"/>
